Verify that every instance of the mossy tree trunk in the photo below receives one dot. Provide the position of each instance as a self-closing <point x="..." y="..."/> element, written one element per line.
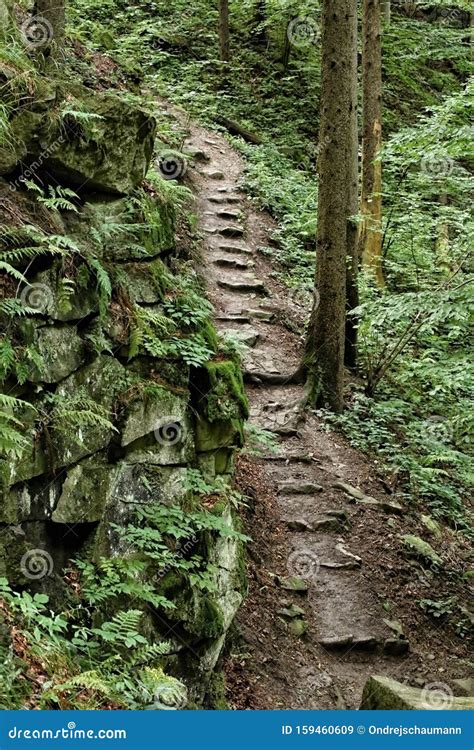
<point x="224" y="34"/>
<point x="371" y="199"/>
<point x="54" y="13"/>
<point x="326" y="336"/>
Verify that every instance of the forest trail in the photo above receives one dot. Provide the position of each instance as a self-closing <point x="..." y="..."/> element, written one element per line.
<point x="314" y="648"/>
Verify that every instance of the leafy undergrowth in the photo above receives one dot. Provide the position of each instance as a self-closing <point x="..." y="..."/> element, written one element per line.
<point x="78" y="659"/>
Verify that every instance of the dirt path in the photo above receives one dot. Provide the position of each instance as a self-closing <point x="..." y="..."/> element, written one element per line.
<point x="313" y="648"/>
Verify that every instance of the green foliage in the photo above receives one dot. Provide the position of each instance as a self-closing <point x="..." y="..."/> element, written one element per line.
<point x="12" y="441"/>
<point x="113" y="664"/>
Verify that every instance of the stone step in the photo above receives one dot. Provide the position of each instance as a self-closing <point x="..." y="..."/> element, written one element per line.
<point x="292" y="487"/>
<point x="247" y="336"/>
<point x="232" y="230"/>
<point x="243" y="285"/>
<point x="350" y="642"/>
<point x="236" y="249"/>
<point x="220" y="199"/>
<point x="263" y="315"/>
<point x="213" y="174"/>
<point x="229" y="214"/>
<point x="229" y="262"/>
<point x="233" y="319"/>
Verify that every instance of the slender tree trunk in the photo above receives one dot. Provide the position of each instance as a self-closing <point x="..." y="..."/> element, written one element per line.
<point x="287" y="47"/>
<point x="387" y="12"/>
<point x="260" y="22"/>
<point x="52" y="33"/>
<point x="326" y="336"/>
<point x="352" y="291"/>
<point x="224" y="35"/>
<point x="371" y="199"/>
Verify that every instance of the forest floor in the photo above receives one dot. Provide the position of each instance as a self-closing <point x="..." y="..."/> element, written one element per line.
<point x="358" y="612"/>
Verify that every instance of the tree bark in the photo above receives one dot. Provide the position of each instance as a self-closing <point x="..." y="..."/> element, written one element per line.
<point x="371" y="199"/>
<point x="352" y="289"/>
<point x="285" y="58"/>
<point x="324" y="354"/>
<point x="387" y="12"/>
<point x="54" y="12"/>
<point x="260" y="22"/>
<point x="224" y="34"/>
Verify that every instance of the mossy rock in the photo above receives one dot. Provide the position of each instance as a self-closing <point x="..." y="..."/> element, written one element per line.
<point x="60" y="348"/>
<point x="219" y="434"/>
<point x="80" y="304"/>
<point x="385" y="694"/>
<point x="84" y="492"/>
<point x="129" y="487"/>
<point x="145" y="283"/>
<point x="151" y="233"/>
<point x="101" y="381"/>
<point x="216" y="463"/>
<point x="158" y="430"/>
<point x="33" y="501"/>
<point x="418" y="547"/>
<point x="106" y="147"/>
<point x="220" y="391"/>
<point x="32" y="462"/>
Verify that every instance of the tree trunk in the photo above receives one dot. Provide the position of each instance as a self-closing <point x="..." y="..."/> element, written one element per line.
<point x="52" y="32"/>
<point x="224" y="36"/>
<point x="325" y="344"/>
<point x="260" y="22"/>
<point x="387" y="12"/>
<point x="371" y="199"/>
<point x="352" y="291"/>
<point x="285" y="59"/>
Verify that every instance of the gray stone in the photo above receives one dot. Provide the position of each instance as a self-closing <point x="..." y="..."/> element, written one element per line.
<point x="383" y="693"/>
<point x="293" y="583"/>
<point x="292" y="487"/>
<point x="214" y="174"/>
<point x="298" y="525"/>
<point x="229" y="214"/>
<point x="252" y="285"/>
<point x="101" y="381"/>
<point x="231" y="231"/>
<point x="61" y="350"/>
<point x="361" y="497"/>
<point x="235" y="249"/>
<point x="236" y="263"/>
<point x="111" y="155"/>
<point x="84" y="493"/>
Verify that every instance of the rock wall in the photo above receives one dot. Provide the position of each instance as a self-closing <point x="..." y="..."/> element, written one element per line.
<point x="122" y="386"/>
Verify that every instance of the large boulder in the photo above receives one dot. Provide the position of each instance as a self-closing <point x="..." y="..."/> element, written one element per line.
<point x="385" y="694"/>
<point x="94" y="142"/>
